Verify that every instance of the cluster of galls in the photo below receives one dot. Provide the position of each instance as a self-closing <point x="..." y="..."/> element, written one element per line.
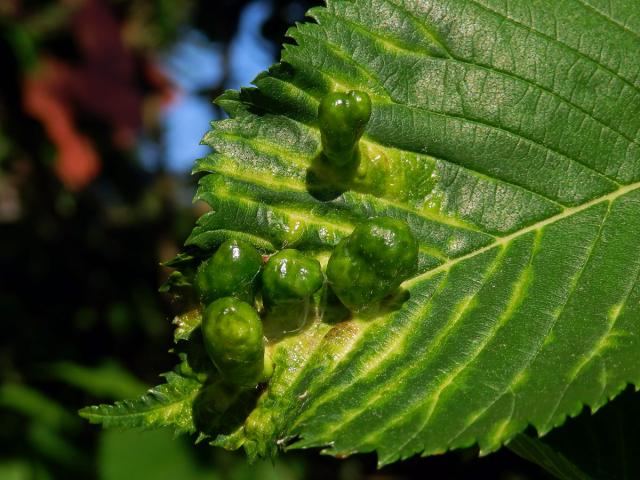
<point x="231" y="327"/>
<point x="363" y="269"/>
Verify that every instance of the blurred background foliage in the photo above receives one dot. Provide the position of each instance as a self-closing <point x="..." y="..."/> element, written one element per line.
<point x="102" y="106"/>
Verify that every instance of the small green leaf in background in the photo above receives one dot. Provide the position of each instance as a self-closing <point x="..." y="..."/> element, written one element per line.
<point x="47" y="429"/>
<point x="133" y="455"/>
<point x="23" y="470"/>
<point x="109" y="380"/>
<point x="158" y="455"/>
<point x="36" y="406"/>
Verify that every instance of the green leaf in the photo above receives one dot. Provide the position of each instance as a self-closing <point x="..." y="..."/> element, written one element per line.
<point x="180" y="260"/>
<point x="603" y="446"/>
<point x="185" y="324"/>
<point x="55" y="446"/>
<point x="507" y="135"/>
<point x="23" y="469"/>
<point x="141" y="455"/>
<point x="169" y="404"/>
<point x="36" y="406"/>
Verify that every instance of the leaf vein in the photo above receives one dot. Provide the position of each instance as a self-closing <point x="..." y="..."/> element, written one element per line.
<point x="505" y="239"/>
<point x="554" y="320"/>
<point x="515" y="298"/>
<point x="599" y="346"/>
<point x="610" y="19"/>
<point x="558" y="42"/>
<point x="438" y="340"/>
<point x="490" y="68"/>
<point x="474" y="121"/>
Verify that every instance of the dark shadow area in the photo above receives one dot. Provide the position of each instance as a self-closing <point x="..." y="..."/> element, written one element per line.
<point x="372" y="176"/>
<point x="386" y="306"/>
<point x="331" y="309"/>
<point x="603" y="444"/>
<point x="325" y="182"/>
<point x="194" y="358"/>
<point x="220" y="408"/>
<point x="291" y="318"/>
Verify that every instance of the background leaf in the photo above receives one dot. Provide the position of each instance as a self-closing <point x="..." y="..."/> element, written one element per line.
<point x="506" y="134"/>
<point x="31" y="403"/>
<point x="109" y="380"/>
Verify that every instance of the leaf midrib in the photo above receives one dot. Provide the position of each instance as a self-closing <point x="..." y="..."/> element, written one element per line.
<point x="443" y="385"/>
<point x="500" y="241"/>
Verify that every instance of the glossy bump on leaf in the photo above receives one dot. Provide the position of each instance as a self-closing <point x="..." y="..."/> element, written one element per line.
<point x="232" y="333"/>
<point x="342" y="118"/>
<point x="389" y="244"/>
<point x="231" y="272"/>
<point x="290" y="275"/>
<point x="372" y="262"/>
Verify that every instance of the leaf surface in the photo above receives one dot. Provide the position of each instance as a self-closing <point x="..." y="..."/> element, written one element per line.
<point x="169" y="404"/>
<point x="507" y="135"/>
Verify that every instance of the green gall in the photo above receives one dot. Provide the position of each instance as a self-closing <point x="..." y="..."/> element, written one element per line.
<point x="342" y="118"/>
<point x="352" y="278"/>
<point x="372" y="262"/>
<point x="232" y="333"/>
<point x="290" y="276"/>
<point x="389" y="244"/>
<point x="231" y="272"/>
